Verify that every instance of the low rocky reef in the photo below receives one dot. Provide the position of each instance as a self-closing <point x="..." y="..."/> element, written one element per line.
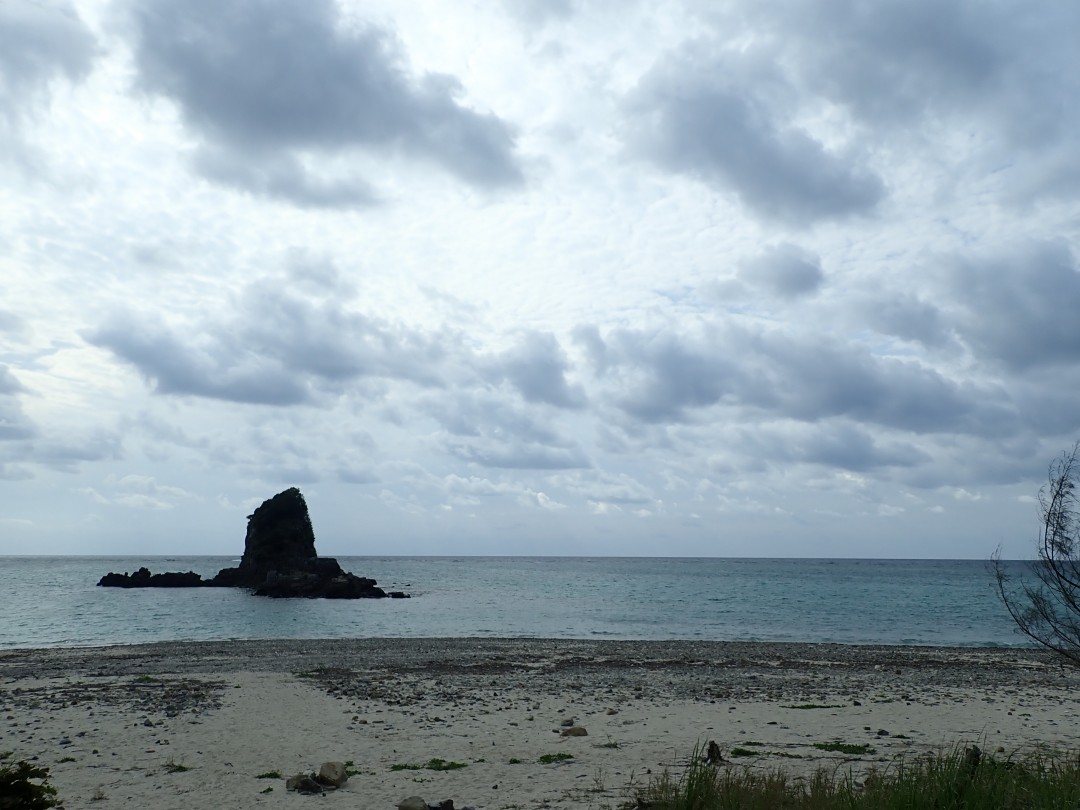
<point x="279" y="560"/>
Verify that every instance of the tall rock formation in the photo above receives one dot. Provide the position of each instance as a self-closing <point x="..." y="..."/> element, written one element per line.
<point x="279" y="540"/>
<point x="279" y="560"/>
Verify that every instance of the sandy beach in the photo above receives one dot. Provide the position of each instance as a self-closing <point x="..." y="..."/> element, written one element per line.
<point x="195" y="725"/>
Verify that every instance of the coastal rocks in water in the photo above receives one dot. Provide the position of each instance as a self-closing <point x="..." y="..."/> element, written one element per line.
<point x="144" y="579"/>
<point x="280" y="558"/>
<point x="279" y="561"/>
<point x="279" y="538"/>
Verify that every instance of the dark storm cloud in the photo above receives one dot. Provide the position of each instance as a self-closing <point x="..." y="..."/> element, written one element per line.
<point x="687" y="115"/>
<point x="667" y="377"/>
<point x="1019" y="310"/>
<point x="39" y="42"/>
<point x="785" y="270"/>
<point x="537" y="368"/>
<point x="275" y="349"/>
<point x="264" y="83"/>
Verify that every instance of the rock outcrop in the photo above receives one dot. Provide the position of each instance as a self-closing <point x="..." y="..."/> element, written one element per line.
<point x="279" y="560"/>
<point x="144" y="579"/>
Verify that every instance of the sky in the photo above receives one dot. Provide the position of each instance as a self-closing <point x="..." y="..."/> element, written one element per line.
<point x="771" y="278"/>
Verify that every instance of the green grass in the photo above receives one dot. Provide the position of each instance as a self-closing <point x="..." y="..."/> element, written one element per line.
<point x="430" y="765"/>
<point x="269" y="775"/>
<point x="24" y="786"/>
<point x="744" y="752"/>
<point x="548" y="759"/>
<point x="956" y="780"/>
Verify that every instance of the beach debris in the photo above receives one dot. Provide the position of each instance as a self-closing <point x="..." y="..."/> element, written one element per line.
<point x="612" y="712"/>
<point x="303" y="783"/>
<point x="575" y="731"/>
<point x="569" y="721"/>
<point x="332" y="774"/>
<point x="712" y="753"/>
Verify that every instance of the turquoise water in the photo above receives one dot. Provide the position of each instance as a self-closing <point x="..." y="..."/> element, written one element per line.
<point x="53" y="601"/>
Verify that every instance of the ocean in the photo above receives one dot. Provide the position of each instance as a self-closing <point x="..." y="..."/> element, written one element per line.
<point x="54" y="601"/>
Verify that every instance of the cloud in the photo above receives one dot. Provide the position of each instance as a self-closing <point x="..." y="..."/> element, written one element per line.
<point x="538" y="13"/>
<point x="137" y="492"/>
<point x="1018" y="310"/>
<point x="15" y="425"/>
<point x="785" y="270"/>
<point x="492" y="431"/>
<point x="687" y="115"/>
<point x="668" y="376"/>
<point x="915" y="70"/>
<point x="39" y="43"/>
<point x="834" y="443"/>
<point x="272" y="88"/>
<point x="276" y="347"/>
<point x="285" y="177"/>
<point x="907" y="317"/>
<point x="516" y="455"/>
<point x="537" y="368"/>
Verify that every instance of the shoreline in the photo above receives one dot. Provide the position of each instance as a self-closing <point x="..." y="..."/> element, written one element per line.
<point x="115" y="721"/>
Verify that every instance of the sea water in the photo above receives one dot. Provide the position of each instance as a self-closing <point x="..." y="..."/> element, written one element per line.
<point x="53" y="601"/>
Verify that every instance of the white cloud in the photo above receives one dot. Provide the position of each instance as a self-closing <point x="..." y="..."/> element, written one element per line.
<point x="784" y="264"/>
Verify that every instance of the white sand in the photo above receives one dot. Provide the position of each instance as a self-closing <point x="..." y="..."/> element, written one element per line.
<point x="122" y="716"/>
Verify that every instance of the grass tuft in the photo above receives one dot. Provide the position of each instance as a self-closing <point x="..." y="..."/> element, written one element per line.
<point x="430" y="765"/>
<point x="548" y="759"/>
<point x="23" y="785"/>
<point x="962" y="778"/>
<point x="176" y="767"/>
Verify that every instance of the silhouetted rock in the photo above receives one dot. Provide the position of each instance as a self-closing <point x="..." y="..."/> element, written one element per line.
<point x="144" y="579"/>
<point x="279" y="538"/>
<point x="279" y="560"/>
